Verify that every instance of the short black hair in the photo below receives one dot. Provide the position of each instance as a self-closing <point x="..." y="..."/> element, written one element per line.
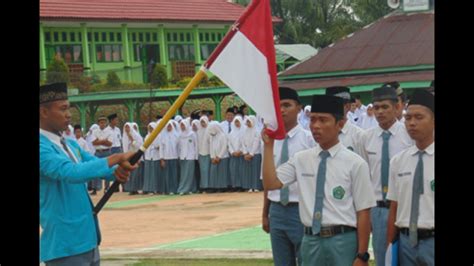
<point x="357" y="97"/>
<point x="77" y="126"/>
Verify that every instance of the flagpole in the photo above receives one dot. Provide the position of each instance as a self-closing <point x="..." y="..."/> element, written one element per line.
<point x="171" y="111"/>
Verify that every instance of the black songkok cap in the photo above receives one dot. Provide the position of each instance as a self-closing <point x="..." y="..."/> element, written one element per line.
<point x="340" y="91"/>
<point x="53" y="92"/>
<point x="288" y="93"/>
<point x="386" y="92"/>
<point x="396" y="86"/>
<point x="112" y="116"/>
<point x="327" y="104"/>
<point x="422" y="97"/>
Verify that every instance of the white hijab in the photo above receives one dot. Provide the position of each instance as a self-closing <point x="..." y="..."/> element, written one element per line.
<point x="235" y="135"/>
<point x="129" y="145"/>
<point x="218" y="140"/>
<point x="203" y="137"/>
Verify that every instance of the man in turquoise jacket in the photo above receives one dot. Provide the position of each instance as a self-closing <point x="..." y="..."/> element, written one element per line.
<point x="70" y="232"/>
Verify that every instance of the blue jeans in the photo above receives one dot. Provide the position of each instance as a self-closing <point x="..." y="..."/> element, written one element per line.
<point x="286" y="234"/>
<point x="338" y="250"/>
<point x="90" y="258"/>
<point x="421" y="254"/>
<point x="379" y="217"/>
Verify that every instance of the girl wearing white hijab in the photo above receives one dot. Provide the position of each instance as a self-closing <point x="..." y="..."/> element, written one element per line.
<point x="151" y="169"/>
<point x="188" y="154"/>
<point x="303" y="117"/>
<point x="89" y="137"/>
<point x="169" y="159"/>
<point x="219" y="170"/>
<point x="236" y="161"/>
<point x="69" y="133"/>
<point x="204" y="158"/>
<point x="132" y="141"/>
<point x="252" y="155"/>
<point x="367" y="119"/>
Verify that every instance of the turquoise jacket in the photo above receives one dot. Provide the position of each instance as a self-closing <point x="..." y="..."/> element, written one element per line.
<point x="69" y="227"/>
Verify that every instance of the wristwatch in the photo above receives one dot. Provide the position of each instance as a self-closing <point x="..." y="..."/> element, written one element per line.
<point x="363" y="256"/>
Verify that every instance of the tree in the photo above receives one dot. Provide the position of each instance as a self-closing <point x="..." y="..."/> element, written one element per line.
<point x="57" y="71"/>
<point x="113" y="80"/>
<point x="367" y="11"/>
<point x="158" y="77"/>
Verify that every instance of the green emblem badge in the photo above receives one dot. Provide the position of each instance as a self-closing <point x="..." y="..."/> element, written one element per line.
<point x="432" y="185"/>
<point x="338" y="192"/>
<point x="350" y="148"/>
<point x="190" y="140"/>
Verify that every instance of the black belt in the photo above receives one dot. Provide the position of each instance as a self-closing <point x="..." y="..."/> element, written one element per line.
<point x="422" y="233"/>
<point x="329" y="231"/>
<point x="383" y="203"/>
<point x="287" y="205"/>
<point x="102" y="150"/>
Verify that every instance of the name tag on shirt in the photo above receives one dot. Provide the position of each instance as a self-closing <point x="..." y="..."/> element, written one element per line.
<point x="371" y="153"/>
<point x="307" y="175"/>
<point x="403" y="174"/>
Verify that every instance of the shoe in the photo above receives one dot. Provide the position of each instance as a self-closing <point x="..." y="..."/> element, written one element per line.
<point x="256" y="190"/>
<point x="181" y="194"/>
<point x="250" y="190"/>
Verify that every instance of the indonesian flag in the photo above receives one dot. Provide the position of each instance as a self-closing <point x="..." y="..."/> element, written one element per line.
<point x="245" y="61"/>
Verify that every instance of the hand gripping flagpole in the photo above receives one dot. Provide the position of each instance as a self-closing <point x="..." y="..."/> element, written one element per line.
<point x="171" y="111"/>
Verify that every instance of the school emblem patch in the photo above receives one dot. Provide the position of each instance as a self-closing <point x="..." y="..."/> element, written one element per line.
<point x="190" y="140"/>
<point x="432" y="185"/>
<point x="338" y="192"/>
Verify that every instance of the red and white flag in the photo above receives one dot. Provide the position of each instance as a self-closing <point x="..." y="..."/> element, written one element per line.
<point x="245" y="61"/>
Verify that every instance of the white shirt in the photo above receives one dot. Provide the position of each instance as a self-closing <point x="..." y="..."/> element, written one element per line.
<point x="117" y="142"/>
<point x="168" y="145"/>
<point x="188" y="147"/>
<point x="371" y="150"/>
<point x="57" y="140"/>
<point x="299" y="140"/>
<point x="83" y="144"/>
<point x="366" y="121"/>
<point x="101" y="135"/>
<point x="350" y="136"/>
<point x="352" y="117"/>
<point x="402" y="171"/>
<point x="345" y="171"/>
<point x="225" y="125"/>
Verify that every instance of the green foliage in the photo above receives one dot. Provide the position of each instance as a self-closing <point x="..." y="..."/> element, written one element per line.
<point x="84" y="84"/>
<point x="159" y="78"/>
<point x="183" y="82"/>
<point x="57" y="71"/>
<point x="113" y="80"/>
<point x="215" y="82"/>
<point x="320" y="23"/>
<point x="96" y="79"/>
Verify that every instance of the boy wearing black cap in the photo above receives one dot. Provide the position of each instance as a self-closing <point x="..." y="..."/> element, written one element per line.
<point x="412" y="185"/>
<point x="280" y="215"/>
<point x="350" y="135"/>
<point x="334" y="190"/>
<point x="378" y="145"/>
<point x="70" y="232"/>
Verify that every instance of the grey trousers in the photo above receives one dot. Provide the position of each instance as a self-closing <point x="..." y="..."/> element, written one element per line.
<point x="90" y="258"/>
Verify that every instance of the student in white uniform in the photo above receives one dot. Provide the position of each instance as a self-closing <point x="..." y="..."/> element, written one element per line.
<point x="412" y="185"/>
<point x="251" y="148"/>
<point x="195" y="126"/>
<point x="169" y="159"/>
<point x="334" y="190"/>
<point x="80" y="140"/>
<point x="280" y="214"/>
<point x="350" y="134"/>
<point x="131" y="142"/>
<point x="117" y="141"/>
<point x="102" y="141"/>
<point x="204" y="158"/>
<point x="69" y="133"/>
<point x="151" y="158"/>
<point x="360" y="107"/>
<point x="226" y="125"/>
<point x="402" y="99"/>
<point x="188" y="154"/>
<point x="367" y="119"/>
<point x="219" y="170"/>
<point x="89" y="137"/>
<point x="378" y="146"/>
<point x="303" y="117"/>
<point x="234" y="140"/>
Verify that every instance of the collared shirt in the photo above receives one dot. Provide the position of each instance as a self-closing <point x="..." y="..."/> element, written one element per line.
<point x="402" y="171"/>
<point x="100" y="134"/>
<point x="225" y="125"/>
<point x="347" y="187"/>
<point x="350" y="136"/>
<point x="299" y="140"/>
<point x="57" y="140"/>
<point x="371" y="150"/>
<point x="117" y="136"/>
